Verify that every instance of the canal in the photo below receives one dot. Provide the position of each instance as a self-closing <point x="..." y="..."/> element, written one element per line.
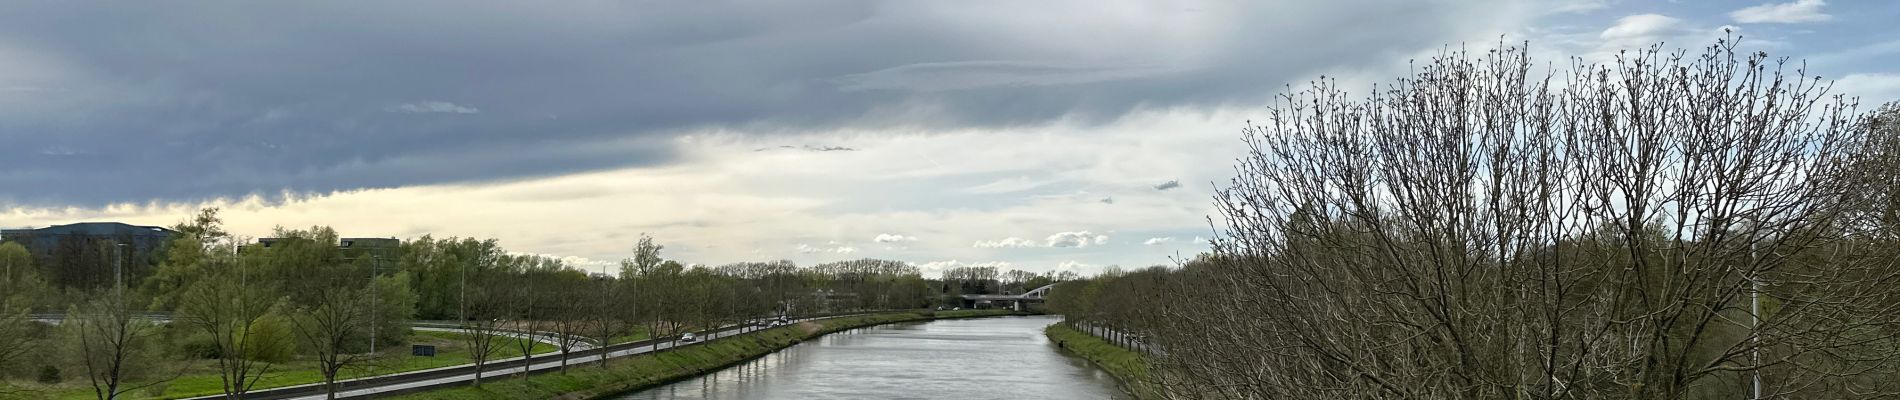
<point x="986" y="358"/>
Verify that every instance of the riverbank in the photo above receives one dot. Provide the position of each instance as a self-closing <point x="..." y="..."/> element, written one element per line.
<point x="1127" y="366"/>
<point x="634" y="373"/>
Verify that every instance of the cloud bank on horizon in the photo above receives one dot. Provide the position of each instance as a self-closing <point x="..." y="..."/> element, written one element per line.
<point x="1027" y="134"/>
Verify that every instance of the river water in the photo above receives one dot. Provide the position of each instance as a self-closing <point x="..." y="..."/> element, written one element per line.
<point x="985" y="358"/>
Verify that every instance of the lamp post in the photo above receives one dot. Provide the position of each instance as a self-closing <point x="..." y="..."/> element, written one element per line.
<point x="375" y="329"/>
<point x="375" y="294"/>
<point x="118" y="272"/>
<point x="1754" y="316"/>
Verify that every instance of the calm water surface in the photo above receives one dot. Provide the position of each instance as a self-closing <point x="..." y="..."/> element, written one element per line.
<point x="988" y="358"/>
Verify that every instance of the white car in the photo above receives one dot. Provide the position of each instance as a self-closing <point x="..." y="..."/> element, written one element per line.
<point x="688" y="337"/>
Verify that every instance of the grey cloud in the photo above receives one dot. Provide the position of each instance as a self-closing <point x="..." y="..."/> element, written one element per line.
<point x="179" y="102"/>
<point x="1168" y="185"/>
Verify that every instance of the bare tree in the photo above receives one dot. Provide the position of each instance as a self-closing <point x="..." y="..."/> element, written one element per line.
<point x="1664" y="226"/>
<point x="607" y="311"/>
<point x="113" y="347"/>
<point x="329" y="324"/>
<point x="227" y="306"/>
<point x="570" y="319"/>
<point x="485" y="305"/>
<point x="533" y="299"/>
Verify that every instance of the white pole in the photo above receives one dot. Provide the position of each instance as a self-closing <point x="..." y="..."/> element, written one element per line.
<point x="118" y="272"/>
<point x="1754" y="315"/>
<point x="373" y="310"/>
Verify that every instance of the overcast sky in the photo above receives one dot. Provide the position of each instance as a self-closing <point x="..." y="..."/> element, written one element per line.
<point x="1034" y="135"/>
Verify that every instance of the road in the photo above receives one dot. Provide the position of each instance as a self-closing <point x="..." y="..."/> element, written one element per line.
<point x="433" y="326"/>
<point x="544" y="337"/>
<point x="416" y="381"/>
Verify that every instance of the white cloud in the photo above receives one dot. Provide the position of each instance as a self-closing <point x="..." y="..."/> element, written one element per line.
<point x="1641" y="31"/>
<point x="964" y="75"/>
<point x="1073" y="266"/>
<point x="1577" y="6"/>
<point x="1006" y="185"/>
<point x="1783" y="13"/>
<point x="832" y="247"/>
<point x="433" y="107"/>
<point x="1644" y="28"/>
<point x="57" y="151"/>
<point x="578" y="262"/>
<point x="890" y="238"/>
<point x="1075" y="239"/>
<point x="1873" y="89"/>
<point x="1005" y="243"/>
<point x="935" y="268"/>
<point x="1155" y="241"/>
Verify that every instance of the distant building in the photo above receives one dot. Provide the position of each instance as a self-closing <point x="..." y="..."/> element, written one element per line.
<point x="384" y="249"/>
<point x="81" y="255"/>
<point x="350" y="247"/>
<point x="368" y="243"/>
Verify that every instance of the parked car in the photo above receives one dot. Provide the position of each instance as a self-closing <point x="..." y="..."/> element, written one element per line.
<point x="688" y="337"/>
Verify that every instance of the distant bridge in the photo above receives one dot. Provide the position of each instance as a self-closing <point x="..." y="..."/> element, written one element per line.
<point x="1014" y="301"/>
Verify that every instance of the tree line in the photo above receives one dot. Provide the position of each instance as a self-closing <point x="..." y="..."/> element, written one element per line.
<point x="1661" y="226"/>
<point x="250" y="308"/>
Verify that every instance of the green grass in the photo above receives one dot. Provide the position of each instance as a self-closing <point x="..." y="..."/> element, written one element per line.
<point x="638" y="333"/>
<point x="200" y="377"/>
<point x="635" y="373"/>
<point x="1127" y="366"/>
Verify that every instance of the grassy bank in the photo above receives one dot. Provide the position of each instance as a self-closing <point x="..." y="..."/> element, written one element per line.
<point x="200" y="377"/>
<point x="639" y="372"/>
<point x="1127" y="366"/>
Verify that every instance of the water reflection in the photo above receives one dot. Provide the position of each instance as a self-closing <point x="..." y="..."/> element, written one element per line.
<point x="989" y="358"/>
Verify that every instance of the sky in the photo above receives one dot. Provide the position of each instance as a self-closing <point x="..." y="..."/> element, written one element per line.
<point x="1049" y="135"/>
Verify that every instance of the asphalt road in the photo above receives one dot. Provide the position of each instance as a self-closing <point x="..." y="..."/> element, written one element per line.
<point x="415" y="381"/>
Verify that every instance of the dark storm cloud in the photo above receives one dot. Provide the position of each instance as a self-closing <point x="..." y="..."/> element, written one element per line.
<point x="133" y="101"/>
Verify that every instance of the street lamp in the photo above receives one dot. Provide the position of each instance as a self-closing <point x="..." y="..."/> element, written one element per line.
<point x="118" y="272"/>
<point x="375" y="311"/>
<point x="1754" y="316"/>
<point x="375" y="293"/>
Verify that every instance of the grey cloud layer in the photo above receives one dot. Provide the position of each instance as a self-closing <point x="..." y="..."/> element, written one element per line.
<point x="136" y="101"/>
